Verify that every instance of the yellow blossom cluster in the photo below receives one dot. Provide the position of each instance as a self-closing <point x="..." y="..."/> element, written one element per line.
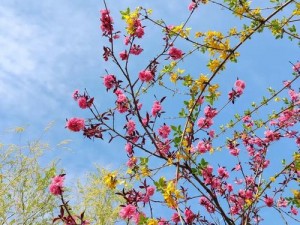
<point x="130" y="19"/>
<point x="171" y="194"/>
<point x="180" y="30"/>
<point x="110" y="180"/>
<point x="218" y="45"/>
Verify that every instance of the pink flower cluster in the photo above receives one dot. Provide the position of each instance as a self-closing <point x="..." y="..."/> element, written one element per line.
<point x="296" y="67"/>
<point x="84" y="101"/>
<point x="238" y="90"/>
<point x="156" y="108"/>
<point x="207" y="204"/>
<point x="130" y="126"/>
<point x="135" y="49"/>
<point x="164" y="131"/>
<point x="122" y="101"/>
<point x="75" y="124"/>
<point x="109" y="81"/>
<point x="139" y="29"/>
<point x="175" y="53"/>
<point x="106" y="22"/>
<point x="207" y="121"/>
<point x="146" y="76"/>
<point x="127" y="211"/>
<point x="56" y="186"/>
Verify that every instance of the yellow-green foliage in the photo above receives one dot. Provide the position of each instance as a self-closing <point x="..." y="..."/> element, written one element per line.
<point x="24" y="195"/>
<point x="100" y="203"/>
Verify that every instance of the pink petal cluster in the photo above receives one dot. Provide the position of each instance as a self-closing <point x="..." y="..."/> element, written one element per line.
<point x="146" y="76"/>
<point x="127" y="211"/>
<point x="109" y="81"/>
<point x="296" y="67"/>
<point x="175" y="53"/>
<point x="130" y="126"/>
<point x="192" y="5"/>
<point x="75" y="124"/>
<point x="189" y="216"/>
<point x="135" y="50"/>
<point x="240" y="85"/>
<point x="150" y="190"/>
<point x="122" y="101"/>
<point x="175" y="218"/>
<point x="207" y="121"/>
<point x="82" y="102"/>
<point x="207" y="204"/>
<point x="56" y="186"/>
<point x="164" y="131"/>
<point x="269" y="201"/>
<point x="124" y="55"/>
<point x="106" y="22"/>
<point x="238" y="90"/>
<point x="156" y="108"/>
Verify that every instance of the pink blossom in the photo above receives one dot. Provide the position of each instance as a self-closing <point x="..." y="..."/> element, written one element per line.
<point x="150" y="190"/>
<point x="127" y="40"/>
<point x="175" y="218"/>
<point x="56" y="186"/>
<point x="75" y="95"/>
<point x="145" y="121"/>
<point x="124" y="55"/>
<point x="156" y="108"/>
<point x="127" y="212"/>
<point x="164" y="131"/>
<point x="234" y="151"/>
<point x="269" y="201"/>
<point x="239" y="84"/>
<point x="210" y="112"/>
<point x="128" y="148"/>
<point x="296" y="67"/>
<point x="109" y="81"/>
<point x="75" y="124"/>
<point x="294" y="211"/>
<point x="139" y="32"/>
<point x="192" y="5"/>
<point x="162" y="221"/>
<point x="131" y="162"/>
<point x="229" y="187"/>
<point x="130" y="126"/>
<point x="282" y="202"/>
<point x="294" y="95"/>
<point x="146" y="76"/>
<point x="222" y="172"/>
<point x="163" y="147"/>
<point x="175" y="53"/>
<point x="106" y="22"/>
<point x="82" y="102"/>
<point x="189" y="215"/>
<point x="135" y="50"/>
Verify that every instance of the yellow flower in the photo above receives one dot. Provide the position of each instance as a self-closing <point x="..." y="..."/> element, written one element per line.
<point x="152" y="222"/>
<point x="232" y="31"/>
<point x="110" y="180"/>
<point x="272" y="179"/>
<point x="213" y="88"/>
<point x="296" y="195"/>
<point x="213" y="65"/>
<point x="198" y="34"/>
<point x="174" y="77"/>
<point x="145" y="171"/>
<point x="202" y="81"/>
<point x="171" y="194"/>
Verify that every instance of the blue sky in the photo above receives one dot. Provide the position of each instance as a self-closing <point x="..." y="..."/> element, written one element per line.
<point x="50" y="48"/>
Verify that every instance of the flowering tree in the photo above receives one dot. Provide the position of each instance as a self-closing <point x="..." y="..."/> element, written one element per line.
<point x="24" y="194"/>
<point x="189" y="166"/>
